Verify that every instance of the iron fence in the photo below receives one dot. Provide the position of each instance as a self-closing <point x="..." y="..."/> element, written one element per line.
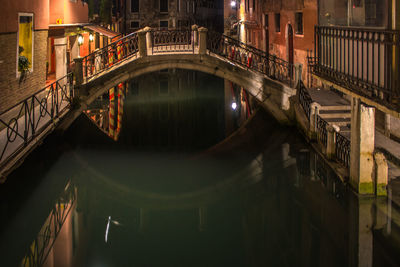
<point x="172" y="41"/>
<point x="362" y="60"/>
<point x="29" y="118"/>
<point x="40" y="248"/>
<point x="343" y="150"/>
<point x="321" y="131"/>
<point x="305" y="99"/>
<point x="100" y="60"/>
<point x="251" y="57"/>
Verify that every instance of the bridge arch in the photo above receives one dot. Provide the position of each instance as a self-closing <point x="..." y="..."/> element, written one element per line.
<point x="273" y="94"/>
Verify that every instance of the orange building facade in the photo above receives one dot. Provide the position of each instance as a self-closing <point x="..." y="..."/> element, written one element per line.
<point x="278" y="27"/>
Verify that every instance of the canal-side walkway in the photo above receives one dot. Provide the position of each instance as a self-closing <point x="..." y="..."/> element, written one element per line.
<point x="389" y="147"/>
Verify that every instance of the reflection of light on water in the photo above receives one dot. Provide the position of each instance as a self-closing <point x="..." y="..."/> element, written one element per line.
<point x="107" y="228"/>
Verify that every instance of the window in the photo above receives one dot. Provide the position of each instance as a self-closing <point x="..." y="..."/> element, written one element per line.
<point x="134" y="24"/>
<point x="178" y="6"/>
<point x="278" y="22"/>
<point x="187" y="7"/>
<point x="299" y="23"/>
<point x="254" y="5"/>
<point x="97" y="40"/>
<point x="25" y="42"/>
<point x="194" y="7"/>
<point x="134" y="6"/>
<point x="164" y="24"/>
<point x="163" y="5"/>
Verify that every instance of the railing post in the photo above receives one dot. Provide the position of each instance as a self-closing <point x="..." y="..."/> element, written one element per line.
<point x="142" y="43"/>
<point x="362" y="146"/>
<point x="195" y="34"/>
<point x="314" y="112"/>
<point x="149" y="43"/>
<point x="202" y="40"/>
<point x="331" y="141"/>
<point x="381" y="174"/>
<point x="195" y="37"/>
<point x="78" y="71"/>
<point x="298" y="74"/>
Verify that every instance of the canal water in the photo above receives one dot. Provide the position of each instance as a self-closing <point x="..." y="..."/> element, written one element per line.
<point x="180" y="168"/>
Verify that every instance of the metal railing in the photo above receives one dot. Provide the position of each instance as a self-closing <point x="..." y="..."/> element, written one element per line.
<point x="322" y="131"/>
<point x="359" y="59"/>
<point x="342" y="150"/>
<point x="101" y="59"/>
<point x="40" y="248"/>
<point x="29" y="118"/>
<point x="251" y="57"/>
<point x="172" y="41"/>
<point x="305" y="99"/>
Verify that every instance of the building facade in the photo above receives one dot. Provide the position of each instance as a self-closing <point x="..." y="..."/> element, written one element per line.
<point x="23" y="38"/>
<point x="173" y="14"/>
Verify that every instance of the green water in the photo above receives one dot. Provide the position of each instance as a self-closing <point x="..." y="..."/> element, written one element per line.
<point x="179" y="186"/>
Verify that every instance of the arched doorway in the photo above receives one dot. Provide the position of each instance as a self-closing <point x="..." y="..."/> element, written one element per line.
<point x="289" y="45"/>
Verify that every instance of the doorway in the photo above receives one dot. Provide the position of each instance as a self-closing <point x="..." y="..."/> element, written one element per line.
<point x="290" y="49"/>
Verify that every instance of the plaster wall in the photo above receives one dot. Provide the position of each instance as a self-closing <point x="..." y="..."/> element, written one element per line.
<point x="10" y="9"/>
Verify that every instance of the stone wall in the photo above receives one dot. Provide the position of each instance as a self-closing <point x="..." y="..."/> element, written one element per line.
<point x="12" y="88"/>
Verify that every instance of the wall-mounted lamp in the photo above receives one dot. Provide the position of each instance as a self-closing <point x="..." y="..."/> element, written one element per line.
<point x="234" y="4"/>
<point x="91" y="37"/>
<point x="234" y="105"/>
<point x="80" y="39"/>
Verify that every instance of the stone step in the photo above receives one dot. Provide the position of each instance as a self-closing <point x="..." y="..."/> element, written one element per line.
<point x="339" y="107"/>
<point x="326" y="114"/>
<point x="345" y="129"/>
<point x="338" y="121"/>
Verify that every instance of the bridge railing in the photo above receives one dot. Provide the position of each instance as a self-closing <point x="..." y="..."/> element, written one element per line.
<point x="342" y="148"/>
<point x="172" y="41"/>
<point x="102" y="59"/>
<point x="251" y="57"/>
<point x="38" y="251"/>
<point x="20" y="124"/>
<point x="322" y="132"/>
<point x="305" y="99"/>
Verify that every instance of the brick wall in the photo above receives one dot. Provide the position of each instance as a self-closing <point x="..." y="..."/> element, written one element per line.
<point x="11" y="89"/>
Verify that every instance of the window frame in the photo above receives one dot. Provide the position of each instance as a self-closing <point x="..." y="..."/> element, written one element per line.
<point x="25" y="14"/>
<point x="130" y="24"/>
<point x="277" y="19"/>
<point x="138" y="6"/>
<point x="296" y="30"/>
<point x="163" y="11"/>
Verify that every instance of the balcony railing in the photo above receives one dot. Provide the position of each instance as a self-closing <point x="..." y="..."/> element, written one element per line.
<point x="361" y="60"/>
<point x="251" y="57"/>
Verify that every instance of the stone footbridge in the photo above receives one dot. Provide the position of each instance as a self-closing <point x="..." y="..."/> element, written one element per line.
<point x="271" y="80"/>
